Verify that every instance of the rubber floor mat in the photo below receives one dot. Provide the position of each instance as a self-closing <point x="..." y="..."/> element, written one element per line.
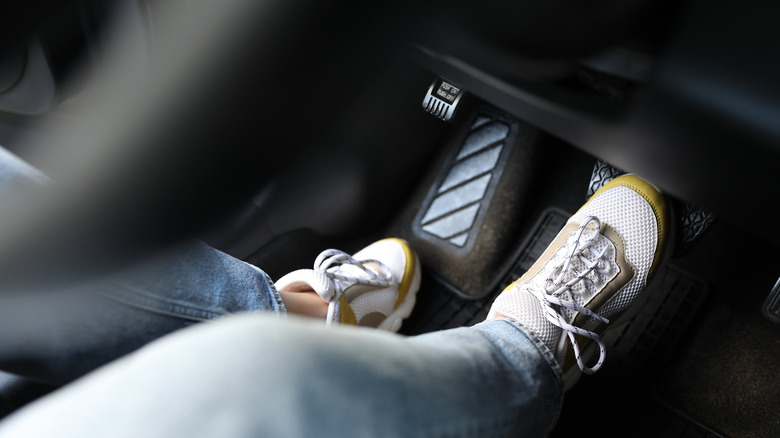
<point x="479" y="199"/>
<point x="637" y="351"/>
<point x="727" y="374"/>
<point x="441" y="305"/>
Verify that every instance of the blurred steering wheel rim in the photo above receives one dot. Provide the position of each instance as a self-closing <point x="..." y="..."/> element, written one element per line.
<point x="156" y="157"/>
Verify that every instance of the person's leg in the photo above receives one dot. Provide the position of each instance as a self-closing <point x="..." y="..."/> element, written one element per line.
<point x="255" y="376"/>
<point x="60" y="335"/>
<point x="250" y="376"/>
<point x="56" y="336"/>
<point x="305" y="303"/>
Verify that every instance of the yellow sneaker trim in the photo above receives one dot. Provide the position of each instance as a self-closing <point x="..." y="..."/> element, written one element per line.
<point x="657" y="202"/>
<point x="511" y="286"/>
<point x="408" y="276"/>
<point x="347" y="314"/>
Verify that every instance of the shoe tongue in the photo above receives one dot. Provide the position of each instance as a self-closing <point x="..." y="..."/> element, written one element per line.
<point x="354" y="274"/>
<point x="582" y="290"/>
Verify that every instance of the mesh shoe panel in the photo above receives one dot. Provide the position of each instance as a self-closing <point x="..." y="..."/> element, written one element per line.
<point x="631" y="216"/>
<point x="523" y="307"/>
<point x="380" y="300"/>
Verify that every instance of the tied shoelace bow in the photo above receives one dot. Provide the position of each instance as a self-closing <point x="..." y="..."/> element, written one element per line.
<point x="558" y="295"/>
<point x="330" y="263"/>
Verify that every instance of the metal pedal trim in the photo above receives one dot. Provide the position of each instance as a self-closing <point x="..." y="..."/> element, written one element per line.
<point x="771" y="307"/>
<point x="452" y="213"/>
<point x="442" y="98"/>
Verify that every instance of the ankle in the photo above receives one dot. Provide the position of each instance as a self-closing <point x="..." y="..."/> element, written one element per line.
<point x="305" y="303"/>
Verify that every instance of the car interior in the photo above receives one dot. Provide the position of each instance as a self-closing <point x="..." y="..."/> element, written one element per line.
<point x="273" y="130"/>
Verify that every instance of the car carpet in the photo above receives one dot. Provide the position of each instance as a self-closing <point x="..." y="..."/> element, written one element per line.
<point x="726" y="375"/>
<point x="713" y="376"/>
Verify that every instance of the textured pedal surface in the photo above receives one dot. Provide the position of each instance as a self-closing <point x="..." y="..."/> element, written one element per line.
<point x="451" y="213"/>
<point x="440" y="306"/>
<point x="471" y="209"/>
<point x="694" y="222"/>
<point x="603" y="173"/>
<point x="771" y="306"/>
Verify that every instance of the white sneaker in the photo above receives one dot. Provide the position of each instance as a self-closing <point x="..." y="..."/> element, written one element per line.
<point x="374" y="288"/>
<point x="594" y="274"/>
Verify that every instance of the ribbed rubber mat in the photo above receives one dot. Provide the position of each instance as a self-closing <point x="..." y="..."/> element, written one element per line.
<point x="637" y="354"/>
<point x="665" y="421"/>
<point x="603" y="173"/>
<point x="637" y="350"/>
<point x="439" y="304"/>
<point x="546" y="228"/>
<point x="439" y="308"/>
<point x="665" y="316"/>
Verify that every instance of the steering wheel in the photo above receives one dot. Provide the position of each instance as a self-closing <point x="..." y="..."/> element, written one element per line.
<point x="234" y="93"/>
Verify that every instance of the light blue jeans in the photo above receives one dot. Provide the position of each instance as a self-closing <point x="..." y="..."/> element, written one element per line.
<point x="257" y="372"/>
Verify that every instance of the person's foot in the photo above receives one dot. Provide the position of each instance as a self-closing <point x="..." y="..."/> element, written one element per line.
<point x="374" y="288"/>
<point x="594" y="274"/>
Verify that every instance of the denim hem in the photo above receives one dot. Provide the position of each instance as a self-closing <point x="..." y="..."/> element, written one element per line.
<point x="549" y="357"/>
<point x="278" y="304"/>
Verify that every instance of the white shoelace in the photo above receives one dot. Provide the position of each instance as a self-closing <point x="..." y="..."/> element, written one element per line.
<point x="556" y="295"/>
<point x="329" y="263"/>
